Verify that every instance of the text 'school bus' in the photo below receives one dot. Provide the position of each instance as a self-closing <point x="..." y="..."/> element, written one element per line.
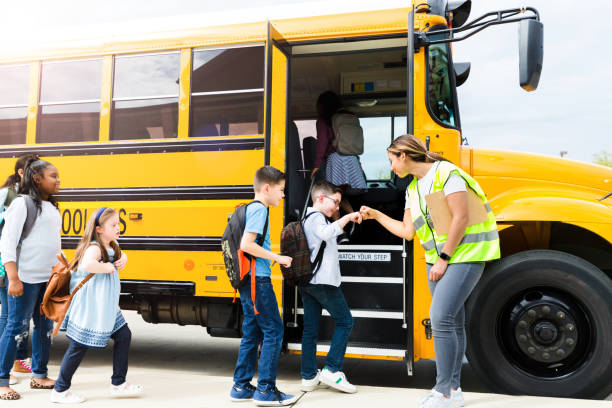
<point x="169" y="130"/>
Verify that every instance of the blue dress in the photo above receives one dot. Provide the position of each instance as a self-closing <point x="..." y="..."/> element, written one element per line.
<point x="94" y="314"/>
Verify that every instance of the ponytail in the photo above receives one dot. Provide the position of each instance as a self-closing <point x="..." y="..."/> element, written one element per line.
<point x="22" y="162"/>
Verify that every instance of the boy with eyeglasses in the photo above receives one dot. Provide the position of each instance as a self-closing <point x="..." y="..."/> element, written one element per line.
<point x="323" y="291"/>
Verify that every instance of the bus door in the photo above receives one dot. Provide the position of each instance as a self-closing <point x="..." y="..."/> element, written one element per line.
<point x="275" y="108"/>
<point x="376" y="266"/>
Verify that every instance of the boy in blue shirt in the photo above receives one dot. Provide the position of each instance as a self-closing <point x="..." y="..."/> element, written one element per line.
<point x="264" y="327"/>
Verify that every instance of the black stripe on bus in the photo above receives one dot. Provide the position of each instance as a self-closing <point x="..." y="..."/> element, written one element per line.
<point x="156" y="243"/>
<point x="156" y="193"/>
<point x="101" y="148"/>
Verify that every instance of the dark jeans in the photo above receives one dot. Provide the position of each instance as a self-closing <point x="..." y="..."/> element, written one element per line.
<point x="331" y="298"/>
<point x="22" y="346"/>
<point x="76" y="351"/>
<point x="21" y="309"/>
<point x="265" y="328"/>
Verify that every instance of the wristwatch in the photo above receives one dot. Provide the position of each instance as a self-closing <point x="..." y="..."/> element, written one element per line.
<point x="445" y="256"/>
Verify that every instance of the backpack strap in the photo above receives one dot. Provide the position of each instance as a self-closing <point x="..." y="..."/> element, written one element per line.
<point x="252" y="268"/>
<point x="32" y="214"/>
<point x="319" y="257"/>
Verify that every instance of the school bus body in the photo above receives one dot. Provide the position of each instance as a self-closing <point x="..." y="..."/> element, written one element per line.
<point x="174" y="195"/>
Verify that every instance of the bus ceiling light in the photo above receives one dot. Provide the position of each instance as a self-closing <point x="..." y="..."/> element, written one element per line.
<point x="456" y="12"/>
<point x="367" y="103"/>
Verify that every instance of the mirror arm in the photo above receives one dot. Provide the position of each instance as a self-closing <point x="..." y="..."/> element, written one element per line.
<point x="475" y="26"/>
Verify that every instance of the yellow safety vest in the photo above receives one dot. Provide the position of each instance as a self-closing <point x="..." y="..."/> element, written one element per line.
<point x="479" y="243"/>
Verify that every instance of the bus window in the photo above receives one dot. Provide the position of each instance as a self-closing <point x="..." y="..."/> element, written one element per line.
<point x="145" y="96"/>
<point x="69" y="108"/>
<point x="14" y="86"/>
<point x="376" y="139"/>
<point x="227" y="92"/>
<point x="440" y="96"/>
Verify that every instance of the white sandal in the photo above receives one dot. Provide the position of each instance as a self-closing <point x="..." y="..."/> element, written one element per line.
<point x="125" y="390"/>
<point x="66" y="397"/>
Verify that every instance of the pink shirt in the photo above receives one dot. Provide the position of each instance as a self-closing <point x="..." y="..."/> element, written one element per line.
<point x="325" y="137"/>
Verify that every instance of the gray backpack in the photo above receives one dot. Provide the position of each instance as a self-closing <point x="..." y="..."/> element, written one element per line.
<point x="348" y="134"/>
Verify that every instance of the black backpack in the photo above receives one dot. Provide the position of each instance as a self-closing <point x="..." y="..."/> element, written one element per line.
<point x="295" y="244"/>
<point x="238" y="263"/>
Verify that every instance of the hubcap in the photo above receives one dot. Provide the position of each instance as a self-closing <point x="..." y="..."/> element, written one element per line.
<point x="545" y="332"/>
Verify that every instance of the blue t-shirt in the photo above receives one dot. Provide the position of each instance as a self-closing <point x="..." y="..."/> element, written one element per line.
<point x="256" y="218"/>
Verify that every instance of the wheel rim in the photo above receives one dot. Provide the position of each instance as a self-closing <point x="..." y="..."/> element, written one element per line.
<point x="545" y="332"/>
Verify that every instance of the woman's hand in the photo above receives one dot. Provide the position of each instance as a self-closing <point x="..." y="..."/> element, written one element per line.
<point x="437" y="270"/>
<point x="109" y="267"/>
<point x="15" y="287"/>
<point x="314" y="171"/>
<point x="121" y="262"/>
<point x="367" y="213"/>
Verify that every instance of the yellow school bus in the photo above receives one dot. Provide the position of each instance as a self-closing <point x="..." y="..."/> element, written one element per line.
<point x="168" y="128"/>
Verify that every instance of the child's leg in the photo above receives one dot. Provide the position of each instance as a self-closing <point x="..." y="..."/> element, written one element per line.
<point x="312" y="317"/>
<point x="122" y="339"/>
<point x="332" y="299"/>
<point x="71" y="361"/>
<point x="251" y="338"/>
<point x="271" y="325"/>
<point x="41" y="336"/>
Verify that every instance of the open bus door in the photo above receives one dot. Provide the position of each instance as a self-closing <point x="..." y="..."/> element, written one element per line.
<point x="376" y="266"/>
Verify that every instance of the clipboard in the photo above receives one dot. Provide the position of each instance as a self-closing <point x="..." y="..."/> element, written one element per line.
<point x="441" y="215"/>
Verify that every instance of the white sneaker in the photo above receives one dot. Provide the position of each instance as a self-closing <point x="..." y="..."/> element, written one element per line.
<point x="125" y="390"/>
<point x="310" y="385"/>
<point x="457" y="399"/>
<point x="66" y="397"/>
<point x="337" y="380"/>
<point x="435" y="399"/>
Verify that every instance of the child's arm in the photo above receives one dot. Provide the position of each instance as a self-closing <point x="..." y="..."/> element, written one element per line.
<point x="325" y="231"/>
<point x="121" y="262"/>
<point x="248" y="245"/>
<point x="91" y="264"/>
<point x="14" y="219"/>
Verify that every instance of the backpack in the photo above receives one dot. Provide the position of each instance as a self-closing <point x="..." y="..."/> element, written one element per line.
<point x="32" y="212"/>
<point x="348" y="134"/>
<point x="238" y="263"/>
<point x="57" y="297"/>
<point x="295" y="244"/>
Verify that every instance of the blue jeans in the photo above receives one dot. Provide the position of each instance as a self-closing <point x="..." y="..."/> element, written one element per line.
<point x="76" y="351"/>
<point x="265" y="328"/>
<point x="315" y="298"/>
<point x="20" y="310"/>
<point x="447" y="314"/>
<point x="22" y="347"/>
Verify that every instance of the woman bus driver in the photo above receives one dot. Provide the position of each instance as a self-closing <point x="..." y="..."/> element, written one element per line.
<point x="455" y="261"/>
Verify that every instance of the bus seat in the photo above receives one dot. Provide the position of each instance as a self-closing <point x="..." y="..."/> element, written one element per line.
<point x="297" y="179"/>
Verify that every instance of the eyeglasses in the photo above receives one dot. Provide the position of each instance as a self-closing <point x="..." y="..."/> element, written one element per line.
<point x="336" y="201"/>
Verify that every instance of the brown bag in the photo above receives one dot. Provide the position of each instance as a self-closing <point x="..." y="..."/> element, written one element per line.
<point x="57" y="298"/>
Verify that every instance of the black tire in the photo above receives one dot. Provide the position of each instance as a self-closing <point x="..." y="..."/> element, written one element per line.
<point x="529" y="306"/>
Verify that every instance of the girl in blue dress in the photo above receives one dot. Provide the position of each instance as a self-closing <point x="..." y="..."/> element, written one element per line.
<point x="94" y="316"/>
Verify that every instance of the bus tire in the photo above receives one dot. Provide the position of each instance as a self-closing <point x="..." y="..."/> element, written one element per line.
<point x="539" y="322"/>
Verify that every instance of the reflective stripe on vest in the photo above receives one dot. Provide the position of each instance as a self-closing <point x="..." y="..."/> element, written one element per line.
<point x="480" y="241"/>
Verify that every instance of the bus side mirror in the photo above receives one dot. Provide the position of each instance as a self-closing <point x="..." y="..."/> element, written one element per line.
<point x="531" y="53"/>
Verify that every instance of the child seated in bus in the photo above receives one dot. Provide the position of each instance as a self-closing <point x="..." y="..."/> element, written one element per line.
<point x="262" y="323"/>
<point x="323" y="291"/>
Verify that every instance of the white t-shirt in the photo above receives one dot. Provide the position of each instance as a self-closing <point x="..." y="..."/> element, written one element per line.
<point x="454" y="184"/>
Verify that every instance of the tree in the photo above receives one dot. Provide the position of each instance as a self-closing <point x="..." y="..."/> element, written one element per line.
<point x="604" y="158"/>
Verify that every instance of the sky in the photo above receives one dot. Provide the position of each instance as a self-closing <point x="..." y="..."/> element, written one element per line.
<point x="568" y="112"/>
